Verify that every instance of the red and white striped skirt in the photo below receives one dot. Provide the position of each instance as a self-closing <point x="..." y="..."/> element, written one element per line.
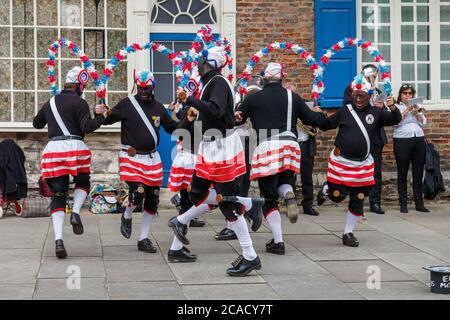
<point x="222" y="160"/>
<point x="141" y="168"/>
<point x="65" y="157"/>
<point x="182" y="170"/>
<point x="275" y="156"/>
<point x="350" y="173"/>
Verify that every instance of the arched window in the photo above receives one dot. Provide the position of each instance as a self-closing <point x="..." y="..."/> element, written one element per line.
<point x="184" y="12"/>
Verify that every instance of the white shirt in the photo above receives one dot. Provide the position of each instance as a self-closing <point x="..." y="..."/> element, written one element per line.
<point x="409" y="127"/>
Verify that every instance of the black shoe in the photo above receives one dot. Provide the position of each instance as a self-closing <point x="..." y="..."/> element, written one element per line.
<point x="292" y="208"/>
<point x="422" y="208"/>
<point x="176" y="202"/>
<point x="182" y="255"/>
<point x="125" y="227"/>
<point x="242" y="267"/>
<point x="310" y="211"/>
<point x="321" y="196"/>
<point x="350" y="240"/>
<point x="179" y="229"/>
<point x="77" y="225"/>
<point x="403" y="209"/>
<point x="277" y="248"/>
<point x="255" y="214"/>
<point x="225" y="234"/>
<point x="60" y="251"/>
<point x="195" y="223"/>
<point x="376" y="208"/>
<point x="146" y="245"/>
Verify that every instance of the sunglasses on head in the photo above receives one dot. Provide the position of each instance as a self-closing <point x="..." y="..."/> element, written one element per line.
<point x="407" y="86"/>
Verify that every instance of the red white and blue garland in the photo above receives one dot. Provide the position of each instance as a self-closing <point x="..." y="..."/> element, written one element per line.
<point x="366" y="45"/>
<point x="87" y="64"/>
<point x="306" y="55"/>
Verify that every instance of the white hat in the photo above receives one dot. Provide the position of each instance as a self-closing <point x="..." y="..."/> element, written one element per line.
<point x="215" y="56"/>
<point x="142" y="78"/>
<point x="273" y="71"/>
<point x="360" y="83"/>
<point x="72" y="75"/>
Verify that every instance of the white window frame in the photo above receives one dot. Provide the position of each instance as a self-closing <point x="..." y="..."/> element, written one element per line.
<point x="435" y="73"/>
<point x="14" y="126"/>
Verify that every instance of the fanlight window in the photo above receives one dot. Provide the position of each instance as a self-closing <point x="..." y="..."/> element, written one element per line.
<point x="184" y="12"/>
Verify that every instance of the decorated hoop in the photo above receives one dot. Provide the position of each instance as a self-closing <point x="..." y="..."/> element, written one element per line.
<point x="313" y="65"/>
<point x="349" y="42"/>
<point x="83" y="76"/>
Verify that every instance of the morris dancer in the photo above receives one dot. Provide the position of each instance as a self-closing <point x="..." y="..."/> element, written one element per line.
<point x="68" y="119"/>
<point x="276" y="160"/>
<point x="141" y="116"/>
<point x="220" y="159"/>
<point x="351" y="166"/>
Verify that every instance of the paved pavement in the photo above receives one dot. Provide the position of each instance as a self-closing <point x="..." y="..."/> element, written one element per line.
<point x="316" y="265"/>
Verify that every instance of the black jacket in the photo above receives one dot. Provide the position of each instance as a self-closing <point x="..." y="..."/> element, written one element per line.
<point x="13" y="177"/>
<point x="350" y="139"/>
<point x="381" y="137"/>
<point x="433" y="183"/>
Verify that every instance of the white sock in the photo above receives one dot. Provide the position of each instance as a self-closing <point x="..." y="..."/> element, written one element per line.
<point x="176" y="244"/>
<point x="352" y="220"/>
<point x="58" y="224"/>
<point x="284" y="189"/>
<point x="79" y="195"/>
<point x="129" y="211"/>
<point x="325" y="189"/>
<point x="240" y="228"/>
<point x="246" y="202"/>
<point x="211" y="198"/>
<point x="274" y="221"/>
<point x="192" y="213"/>
<point x="147" y="219"/>
<point x="229" y="226"/>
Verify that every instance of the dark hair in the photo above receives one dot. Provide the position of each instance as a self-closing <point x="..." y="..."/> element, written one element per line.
<point x="370" y="66"/>
<point x="405" y="87"/>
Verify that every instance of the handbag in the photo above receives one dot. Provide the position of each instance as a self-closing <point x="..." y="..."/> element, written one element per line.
<point x="36" y="207"/>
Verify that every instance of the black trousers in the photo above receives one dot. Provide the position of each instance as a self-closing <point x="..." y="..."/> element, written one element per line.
<point x="151" y="195"/>
<point x="377" y="154"/>
<point x="410" y="150"/>
<point x="200" y="190"/>
<point x="244" y="180"/>
<point x="60" y="187"/>
<point x="355" y="205"/>
<point x="306" y="170"/>
<point x="268" y="188"/>
<point x="185" y="202"/>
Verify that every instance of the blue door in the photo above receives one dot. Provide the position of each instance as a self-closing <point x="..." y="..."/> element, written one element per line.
<point x="335" y="20"/>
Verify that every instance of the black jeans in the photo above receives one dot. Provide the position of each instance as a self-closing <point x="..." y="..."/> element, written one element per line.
<point x="306" y="171"/>
<point x="268" y="188"/>
<point x="410" y="150"/>
<point x="60" y="187"/>
<point x="377" y="154"/>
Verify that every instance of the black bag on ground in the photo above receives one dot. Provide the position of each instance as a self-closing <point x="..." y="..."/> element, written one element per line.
<point x="433" y="183"/>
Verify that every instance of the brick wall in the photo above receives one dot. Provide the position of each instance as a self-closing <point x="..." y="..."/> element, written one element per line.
<point x="260" y="22"/>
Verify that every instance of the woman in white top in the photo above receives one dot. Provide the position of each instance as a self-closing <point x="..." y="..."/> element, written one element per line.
<point x="409" y="147"/>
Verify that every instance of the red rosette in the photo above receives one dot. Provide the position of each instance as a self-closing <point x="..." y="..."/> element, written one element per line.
<point x="385" y="75"/>
<point x="187" y="66"/>
<point x="365" y="45"/>
<point x="336" y="48"/>
<point x="256" y="58"/>
<point x="246" y="76"/>
<point x="94" y="75"/>
<point x="72" y="46"/>
<point x="325" y="60"/>
<point x="107" y="72"/>
<point x="101" y="94"/>
<point x="379" y="58"/>
<point x="60" y="42"/>
<point x="359" y="86"/>
<point x="289" y="45"/>
<point x="155" y="46"/>
<point x="305" y="54"/>
<point x="196" y="46"/>
<point x="136" y="46"/>
<point x="51" y="79"/>
<point x="230" y="77"/>
<point x="270" y="48"/>
<point x="314" y="67"/>
<point x="172" y="55"/>
<point x="243" y="91"/>
<point x="119" y="56"/>
<point x="51" y="63"/>
<point x="84" y="59"/>
<point x="350" y="41"/>
<point x="53" y="49"/>
<point x="314" y="95"/>
<point x="320" y="84"/>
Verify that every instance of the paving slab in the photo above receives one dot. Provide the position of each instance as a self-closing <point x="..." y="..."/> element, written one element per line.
<point x="259" y="243"/>
<point x="311" y="287"/>
<point x="19" y="266"/>
<point x="288" y="265"/>
<point x="129" y="271"/>
<point x="22" y="240"/>
<point x="54" y="268"/>
<point x="139" y="290"/>
<point x="210" y="269"/>
<point x="412" y="263"/>
<point x="398" y="291"/>
<point x="126" y="253"/>
<point x="57" y="289"/>
<point x="76" y="245"/>
<point x="230" y="292"/>
<point x="337" y="227"/>
<point x="16" y="291"/>
<point x="359" y="271"/>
